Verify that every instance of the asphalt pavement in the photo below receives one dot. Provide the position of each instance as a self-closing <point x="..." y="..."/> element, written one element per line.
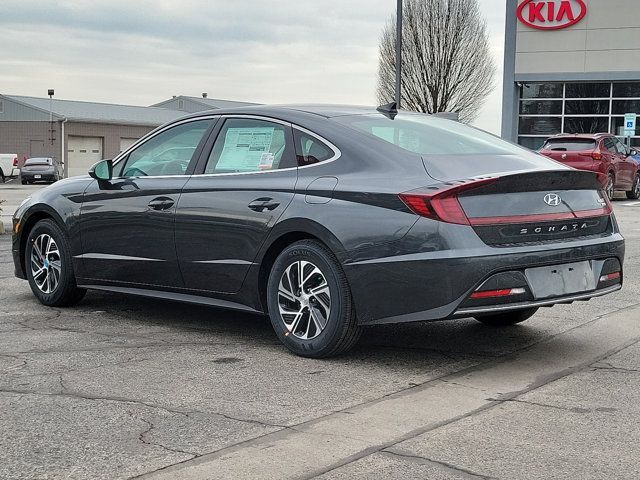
<point x="122" y="387"/>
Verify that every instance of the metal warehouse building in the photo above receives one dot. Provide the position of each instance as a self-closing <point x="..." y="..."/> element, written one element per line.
<point x="81" y="133"/>
<point x="571" y="66"/>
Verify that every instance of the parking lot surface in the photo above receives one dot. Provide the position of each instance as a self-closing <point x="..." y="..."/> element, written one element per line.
<point x="122" y="387"/>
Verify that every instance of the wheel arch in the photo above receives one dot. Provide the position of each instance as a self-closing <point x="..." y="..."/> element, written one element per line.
<point x="285" y="234"/>
<point x="29" y="220"/>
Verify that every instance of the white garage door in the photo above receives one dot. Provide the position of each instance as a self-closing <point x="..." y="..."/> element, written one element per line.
<point x="82" y="152"/>
<point x="126" y="143"/>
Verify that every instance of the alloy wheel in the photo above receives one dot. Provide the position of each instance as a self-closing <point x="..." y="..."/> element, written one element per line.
<point x="610" y="189"/>
<point x="46" y="263"/>
<point x="636" y="186"/>
<point x="304" y="300"/>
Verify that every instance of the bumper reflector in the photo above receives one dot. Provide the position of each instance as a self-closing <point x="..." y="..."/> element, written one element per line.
<point x="611" y="276"/>
<point x="498" y="293"/>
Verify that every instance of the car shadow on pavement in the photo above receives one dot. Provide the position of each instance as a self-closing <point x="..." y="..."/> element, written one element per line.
<point x="453" y="339"/>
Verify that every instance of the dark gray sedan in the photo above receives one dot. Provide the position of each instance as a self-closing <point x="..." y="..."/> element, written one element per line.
<point x="43" y="169"/>
<point x="328" y="219"/>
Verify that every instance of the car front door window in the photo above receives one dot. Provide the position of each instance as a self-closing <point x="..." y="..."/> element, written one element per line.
<point x="168" y="153"/>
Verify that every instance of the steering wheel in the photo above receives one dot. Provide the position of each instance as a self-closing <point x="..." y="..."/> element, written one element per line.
<point x="177" y="167"/>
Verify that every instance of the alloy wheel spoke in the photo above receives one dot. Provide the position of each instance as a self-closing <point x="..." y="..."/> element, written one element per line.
<point x="304" y="299"/>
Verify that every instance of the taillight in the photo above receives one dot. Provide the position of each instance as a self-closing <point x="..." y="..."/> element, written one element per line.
<point x="506" y="292"/>
<point x="596" y="155"/>
<point x="442" y="204"/>
<point x="15" y="162"/>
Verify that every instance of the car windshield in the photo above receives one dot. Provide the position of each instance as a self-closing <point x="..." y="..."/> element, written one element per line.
<point x="428" y="135"/>
<point x="38" y="161"/>
<point x="573" y="145"/>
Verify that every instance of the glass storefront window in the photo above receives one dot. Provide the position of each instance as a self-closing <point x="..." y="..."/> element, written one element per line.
<point x="586" y="124"/>
<point x="542" y="90"/>
<point x="617" y="125"/>
<point x="532" y="143"/>
<point x="586" y="107"/>
<point x="626" y="106"/>
<point x="627" y="89"/>
<point x="540" y="107"/>
<point x="540" y="125"/>
<point x="588" y="90"/>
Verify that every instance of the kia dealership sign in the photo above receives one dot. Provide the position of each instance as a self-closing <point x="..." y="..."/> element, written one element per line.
<point x="551" y="15"/>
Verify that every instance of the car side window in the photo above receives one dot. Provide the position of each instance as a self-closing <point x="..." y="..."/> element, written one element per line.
<point x="609" y="145"/>
<point x="168" y="153"/>
<point x="249" y="145"/>
<point x="622" y="150"/>
<point x="310" y="150"/>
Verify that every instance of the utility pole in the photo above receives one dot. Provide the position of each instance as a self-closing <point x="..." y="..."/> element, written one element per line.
<point x="399" y="54"/>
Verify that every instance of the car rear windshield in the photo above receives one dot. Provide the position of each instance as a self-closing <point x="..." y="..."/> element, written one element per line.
<point x="573" y="145"/>
<point x="38" y="161"/>
<point x="428" y="135"/>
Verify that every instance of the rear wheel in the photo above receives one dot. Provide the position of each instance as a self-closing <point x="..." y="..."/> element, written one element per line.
<point x="634" y="193"/>
<point x="609" y="189"/>
<point x="507" y="318"/>
<point x="49" y="268"/>
<point x="2" y="177"/>
<point x="310" y="303"/>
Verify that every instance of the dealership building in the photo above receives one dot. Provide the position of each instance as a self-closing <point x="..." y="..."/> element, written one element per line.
<point x="78" y="134"/>
<point x="571" y="66"/>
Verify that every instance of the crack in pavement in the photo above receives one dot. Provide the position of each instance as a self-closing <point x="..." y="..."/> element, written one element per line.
<point x="150" y="426"/>
<point x="466" y="472"/>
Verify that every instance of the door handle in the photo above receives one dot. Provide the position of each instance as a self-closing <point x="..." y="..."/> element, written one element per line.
<point x="161" y="203"/>
<point x="261" y="204"/>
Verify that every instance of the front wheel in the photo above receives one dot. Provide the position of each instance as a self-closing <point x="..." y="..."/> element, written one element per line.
<point x="309" y="302"/>
<point x="634" y="193"/>
<point x="48" y="266"/>
<point x="507" y="318"/>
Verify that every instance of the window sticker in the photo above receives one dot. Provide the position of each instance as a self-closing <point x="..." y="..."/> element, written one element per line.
<point x="247" y="149"/>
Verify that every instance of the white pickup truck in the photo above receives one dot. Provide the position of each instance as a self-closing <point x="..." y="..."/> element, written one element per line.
<point x="8" y="166"/>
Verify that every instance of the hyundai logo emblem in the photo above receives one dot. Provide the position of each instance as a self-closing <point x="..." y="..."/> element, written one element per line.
<point x="552" y="199"/>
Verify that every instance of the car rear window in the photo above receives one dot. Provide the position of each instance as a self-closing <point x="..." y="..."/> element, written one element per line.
<point x="428" y="135"/>
<point x="38" y="161"/>
<point x="574" y="145"/>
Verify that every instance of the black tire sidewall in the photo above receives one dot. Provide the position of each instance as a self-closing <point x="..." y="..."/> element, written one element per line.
<point x="67" y="278"/>
<point x="340" y="299"/>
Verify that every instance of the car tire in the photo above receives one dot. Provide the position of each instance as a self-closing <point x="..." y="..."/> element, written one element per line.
<point x="49" y="266"/>
<point x="610" y="188"/>
<point x="2" y="177"/>
<point x="507" y="318"/>
<point x="634" y="193"/>
<point x="316" y="319"/>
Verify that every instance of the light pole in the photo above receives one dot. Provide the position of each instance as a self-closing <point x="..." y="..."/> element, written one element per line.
<point x="399" y="54"/>
<point x="50" y="92"/>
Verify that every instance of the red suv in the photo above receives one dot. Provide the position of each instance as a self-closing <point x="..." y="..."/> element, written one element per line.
<point x="600" y="152"/>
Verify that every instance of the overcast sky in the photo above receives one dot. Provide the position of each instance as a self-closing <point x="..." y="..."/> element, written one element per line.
<point x="144" y="51"/>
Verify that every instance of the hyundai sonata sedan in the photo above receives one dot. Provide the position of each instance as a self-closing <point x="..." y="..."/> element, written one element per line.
<point x="328" y="219"/>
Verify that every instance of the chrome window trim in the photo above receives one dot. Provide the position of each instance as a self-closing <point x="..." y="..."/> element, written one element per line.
<point x="336" y="151"/>
<point x="155" y="133"/>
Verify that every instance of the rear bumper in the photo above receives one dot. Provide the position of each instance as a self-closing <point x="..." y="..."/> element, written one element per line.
<point x="44" y="177"/>
<point x="436" y="285"/>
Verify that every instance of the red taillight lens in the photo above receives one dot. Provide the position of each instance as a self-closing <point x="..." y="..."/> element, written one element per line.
<point x="596" y="155"/>
<point x="610" y="276"/>
<point x="443" y="204"/>
<point x="507" y="292"/>
<point x="15" y="162"/>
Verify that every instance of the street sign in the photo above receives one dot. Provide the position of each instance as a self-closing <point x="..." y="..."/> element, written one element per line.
<point x="630" y="124"/>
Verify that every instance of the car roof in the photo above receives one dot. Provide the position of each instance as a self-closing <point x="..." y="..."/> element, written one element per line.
<point x="288" y="111"/>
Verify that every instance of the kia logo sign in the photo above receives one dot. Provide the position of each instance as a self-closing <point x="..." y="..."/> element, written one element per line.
<point x="551" y="15"/>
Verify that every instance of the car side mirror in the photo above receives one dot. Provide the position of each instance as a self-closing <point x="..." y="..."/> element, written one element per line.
<point x="103" y="170"/>
<point x="633" y="152"/>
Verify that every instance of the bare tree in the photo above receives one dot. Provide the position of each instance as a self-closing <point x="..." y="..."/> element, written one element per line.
<point x="446" y="63"/>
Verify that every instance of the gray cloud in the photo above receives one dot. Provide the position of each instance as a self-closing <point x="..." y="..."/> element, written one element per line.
<point x="280" y="51"/>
